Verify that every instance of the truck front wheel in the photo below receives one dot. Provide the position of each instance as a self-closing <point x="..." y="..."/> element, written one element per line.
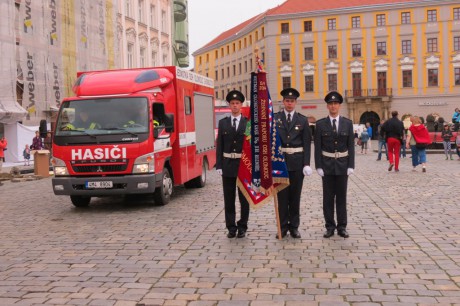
<point x="163" y="193"/>
<point x="80" y="201"/>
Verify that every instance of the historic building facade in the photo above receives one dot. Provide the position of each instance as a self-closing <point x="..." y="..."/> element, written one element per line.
<point x="381" y="55"/>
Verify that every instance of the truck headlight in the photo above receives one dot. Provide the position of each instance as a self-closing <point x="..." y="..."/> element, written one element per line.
<point x="59" y="167"/>
<point x="144" y="164"/>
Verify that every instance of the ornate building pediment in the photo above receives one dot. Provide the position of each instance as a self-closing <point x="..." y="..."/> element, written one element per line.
<point x="308" y="69"/>
<point x="356" y="66"/>
<point x="432" y="62"/>
<point x="456" y="61"/>
<point x="286" y="70"/>
<point x="143" y="39"/>
<point x="332" y="67"/>
<point x="407" y="63"/>
<point x="381" y="65"/>
<point x="131" y="35"/>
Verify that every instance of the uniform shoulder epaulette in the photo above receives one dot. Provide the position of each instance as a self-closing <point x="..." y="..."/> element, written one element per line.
<point x="346" y="119"/>
<point x="302" y="115"/>
<point x="320" y="120"/>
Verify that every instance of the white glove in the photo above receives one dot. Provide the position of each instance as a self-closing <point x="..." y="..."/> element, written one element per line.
<point x="307" y="171"/>
<point x="219" y="171"/>
<point x="350" y="171"/>
<point x="320" y="172"/>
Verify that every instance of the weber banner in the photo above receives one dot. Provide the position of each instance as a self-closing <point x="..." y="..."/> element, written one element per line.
<point x="262" y="167"/>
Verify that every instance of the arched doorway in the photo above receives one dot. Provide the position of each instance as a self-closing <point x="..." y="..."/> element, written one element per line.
<point x="373" y="119"/>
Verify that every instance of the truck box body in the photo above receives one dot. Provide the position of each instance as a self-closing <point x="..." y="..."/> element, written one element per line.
<point x="134" y="131"/>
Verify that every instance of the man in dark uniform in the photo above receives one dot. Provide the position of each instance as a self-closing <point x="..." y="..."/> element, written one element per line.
<point x="230" y="137"/>
<point x="295" y="138"/>
<point x="335" y="161"/>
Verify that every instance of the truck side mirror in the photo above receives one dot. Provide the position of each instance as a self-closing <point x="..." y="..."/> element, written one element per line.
<point x="169" y="122"/>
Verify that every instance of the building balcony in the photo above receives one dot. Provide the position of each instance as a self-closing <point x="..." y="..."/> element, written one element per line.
<point x="181" y="49"/>
<point x="180" y="10"/>
<point x="369" y="93"/>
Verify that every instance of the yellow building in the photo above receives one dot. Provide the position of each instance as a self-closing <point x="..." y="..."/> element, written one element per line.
<point x="382" y="55"/>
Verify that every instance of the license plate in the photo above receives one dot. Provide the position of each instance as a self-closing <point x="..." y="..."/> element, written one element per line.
<point x="98" y="185"/>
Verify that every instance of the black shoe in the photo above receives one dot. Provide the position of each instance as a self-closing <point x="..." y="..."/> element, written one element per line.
<point x="295" y="233"/>
<point x="231" y="235"/>
<point x="329" y="233"/>
<point x="241" y="234"/>
<point x="283" y="234"/>
<point x="343" y="233"/>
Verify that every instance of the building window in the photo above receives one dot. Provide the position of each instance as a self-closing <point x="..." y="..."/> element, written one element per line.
<point x="239" y="45"/>
<point x="457" y="43"/>
<point x="456" y="13"/>
<point x="332" y="51"/>
<point x="307" y="26"/>
<point x="154" y="59"/>
<point x="309" y="83"/>
<point x="286" y="82"/>
<point x="222" y="73"/>
<point x="234" y="70"/>
<point x="141" y="11"/>
<point x="308" y="53"/>
<point x="239" y="68"/>
<point x="332" y="24"/>
<point x="130" y="54"/>
<point x="164" y="21"/>
<point x="432" y="77"/>
<point x="356" y="22"/>
<point x="381" y="20"/>
<point x="228" y="50"/>
<point x="431" y="16"/>
<point x="128" y="8"/>
<point x="406" y="46"/>
<point x="432" y="45"/>
<point x="356" y="50"/>
<point x="223" y="94"/>
<point x="245" y="66"/>
<point x="217" y="75"/>
<point x="332" y="79"/>
<point x="381" y="48"/>
<point x="285" y="55"/>
<point x="407" y="78"/>
<point x="284" y="28"/>
<point x="217" y="94"/>
<point x="221" y="52"/>
<point x="152" y="16"/>
<point x="457" y="76"/>
<point x="405" y="18"/>
<point x="216" y="53"/>
<point x="142" y="57"/>
<point x="250" y="65"/>
<point x="228" y="72"/>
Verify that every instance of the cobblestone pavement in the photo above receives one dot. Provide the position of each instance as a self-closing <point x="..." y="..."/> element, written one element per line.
<point x="404" y="246"/>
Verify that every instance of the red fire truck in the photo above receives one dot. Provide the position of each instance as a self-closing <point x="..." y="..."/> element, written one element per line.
<point x="134" y="131"/>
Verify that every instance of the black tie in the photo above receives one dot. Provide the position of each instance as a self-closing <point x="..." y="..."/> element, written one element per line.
<point x="234" y="124"/>
<point x="334" y="127"/>
<point x="289" y="120"/>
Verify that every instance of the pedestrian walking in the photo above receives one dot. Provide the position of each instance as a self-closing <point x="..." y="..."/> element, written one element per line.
<point x="393" y="129"/>
<point x="364" y="140"/>
<point x="446" y="135"/>
<point x="230" y="137"/>
<point x="335" y="161"/>
<point x="295" y="139"/>
<point x="381" y="141"/>
<point x="457" y="144"/>
<point x="26" y="155"/>
<point x="370" y="132"/>
<point x="420" y="134"/>
<point x="37" y="143"/>
<point x="3" y="147"/>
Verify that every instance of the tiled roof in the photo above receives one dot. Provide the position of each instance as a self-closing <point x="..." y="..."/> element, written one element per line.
<point x="300" y="6"/>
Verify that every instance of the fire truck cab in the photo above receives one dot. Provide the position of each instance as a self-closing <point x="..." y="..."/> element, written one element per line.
<point x="134" y="131"/>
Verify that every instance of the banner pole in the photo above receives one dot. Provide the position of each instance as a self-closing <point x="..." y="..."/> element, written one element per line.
<point x="278" y="223"/>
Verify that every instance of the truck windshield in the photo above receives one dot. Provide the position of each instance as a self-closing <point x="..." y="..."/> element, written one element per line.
<point x="103" y="116"/>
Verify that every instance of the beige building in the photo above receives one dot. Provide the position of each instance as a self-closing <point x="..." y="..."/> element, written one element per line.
<point x="382" y="55"/>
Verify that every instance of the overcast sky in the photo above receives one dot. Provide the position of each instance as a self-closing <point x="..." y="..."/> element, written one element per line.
<point x="209" y="18"/>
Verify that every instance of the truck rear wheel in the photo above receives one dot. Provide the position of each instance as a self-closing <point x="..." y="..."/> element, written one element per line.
<point x="200" y="181"/>
<point x="80" y="201"/>
<point x="163" y="193"/>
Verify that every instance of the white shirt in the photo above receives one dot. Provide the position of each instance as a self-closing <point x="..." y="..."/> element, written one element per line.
<point x="238" y="118"/>
<point x="336" y="122"/>
<point x="292" y="114"/>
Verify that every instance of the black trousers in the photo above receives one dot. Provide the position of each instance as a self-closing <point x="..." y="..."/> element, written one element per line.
<point x="335" y="196"/>
<point x="289" y="201"/>
<point x="229" y="185"/>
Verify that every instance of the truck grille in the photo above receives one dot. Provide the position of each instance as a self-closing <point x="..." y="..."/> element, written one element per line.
<point x="98" y="169"/>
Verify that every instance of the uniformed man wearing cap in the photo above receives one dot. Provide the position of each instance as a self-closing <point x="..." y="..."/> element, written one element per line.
<point x="295" y="138"/>
<point x="230" y="137"/>
<point x="334" y="161"/>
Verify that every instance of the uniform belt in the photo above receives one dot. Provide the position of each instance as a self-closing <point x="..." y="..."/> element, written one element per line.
<point x="335" y="154"/>
<point x="232" y="155"/>
<point x="291" y="150"/>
